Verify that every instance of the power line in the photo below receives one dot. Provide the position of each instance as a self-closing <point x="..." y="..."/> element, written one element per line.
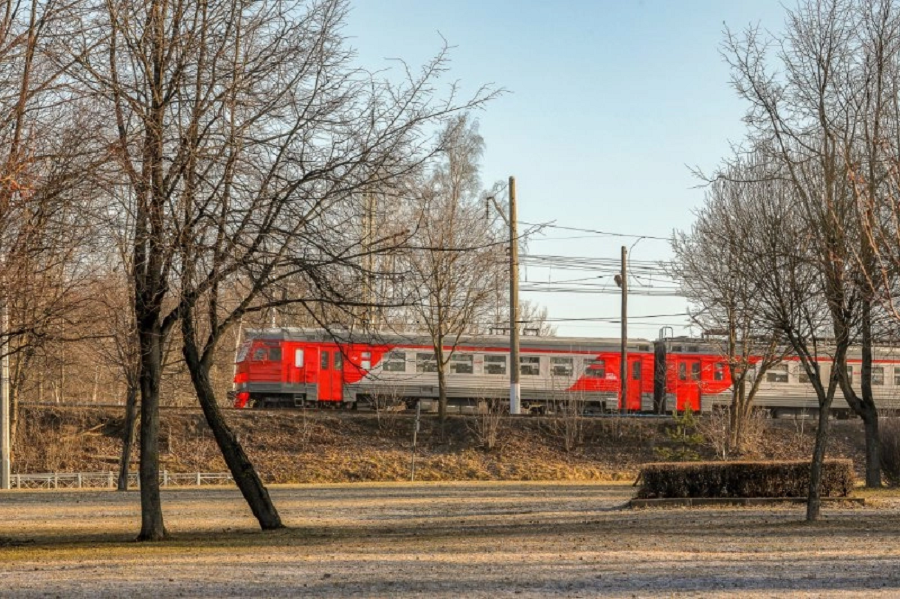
<point x="639" y="292"/>
<point x="613" y="318"/>
<point x="594" y="231"/>
<point x="592" y="263"/>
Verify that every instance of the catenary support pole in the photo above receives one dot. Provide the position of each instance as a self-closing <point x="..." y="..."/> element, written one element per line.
<point x="623" y="368"/>
<point x="515" y="403"/>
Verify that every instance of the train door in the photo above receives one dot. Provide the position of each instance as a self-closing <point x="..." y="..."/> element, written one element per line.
<point x="330" y="374"/>
<point x="296" y="361"/>
<point x="337" y="374"/>
<point x="635" y="383"/>
<point x="689" y="384"/>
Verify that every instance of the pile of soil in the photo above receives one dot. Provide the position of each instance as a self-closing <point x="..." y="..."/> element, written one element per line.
<point x="329" y="446"/>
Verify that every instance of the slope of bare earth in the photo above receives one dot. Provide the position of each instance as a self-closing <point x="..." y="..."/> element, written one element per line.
<point x="479" y="540"/>
<point x="329" y="446"/>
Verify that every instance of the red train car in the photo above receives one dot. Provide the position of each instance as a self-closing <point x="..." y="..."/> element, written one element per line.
<point x="293" y="367"/>
<point x="694" y="371"/>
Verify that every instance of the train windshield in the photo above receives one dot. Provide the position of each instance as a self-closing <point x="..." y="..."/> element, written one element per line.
<point x="265" y="353"/>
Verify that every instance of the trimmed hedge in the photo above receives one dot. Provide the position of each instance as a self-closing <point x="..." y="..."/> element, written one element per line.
<point x="742" y="479"/>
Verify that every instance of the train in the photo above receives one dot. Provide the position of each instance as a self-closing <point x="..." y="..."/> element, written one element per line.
<point x="297" y="367"/>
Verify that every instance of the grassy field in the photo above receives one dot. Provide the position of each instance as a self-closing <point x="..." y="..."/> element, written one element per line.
<point x="442" y="540"/>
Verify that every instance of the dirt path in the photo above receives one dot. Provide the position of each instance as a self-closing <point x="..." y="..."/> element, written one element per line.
<point x="440" y="540"/>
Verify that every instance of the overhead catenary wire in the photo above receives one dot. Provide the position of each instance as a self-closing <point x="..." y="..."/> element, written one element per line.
<point x="613" y="318"/>
<point x="593" y="263"/>
<point x="551" y="225"/>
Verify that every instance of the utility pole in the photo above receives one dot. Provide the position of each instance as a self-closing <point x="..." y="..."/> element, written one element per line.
<point x="369" y="257"/>
<point x="623" y="368"/>
<point x="515" y="404"/>
<point x="4" y="401"/>
<point x="515" y="396"/>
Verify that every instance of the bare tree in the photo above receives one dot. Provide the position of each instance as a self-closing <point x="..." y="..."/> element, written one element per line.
<point x="872" y="96"/>
<point x="710" y="263"/>
<point x="45" y="240"/>
<point x="454" y="262"/>
<point x="242" y="133"/>
<point x="800" y="117"/>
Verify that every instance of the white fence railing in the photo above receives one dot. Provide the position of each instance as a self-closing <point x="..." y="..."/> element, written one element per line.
<point x="107" y="480"/>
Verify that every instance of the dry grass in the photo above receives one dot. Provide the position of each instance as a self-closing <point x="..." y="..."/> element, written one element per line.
<point x="442" y="540"/>
<point x="318" y="447"/>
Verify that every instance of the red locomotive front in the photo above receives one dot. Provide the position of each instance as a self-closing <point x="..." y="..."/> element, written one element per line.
<point x="271" y="371"/>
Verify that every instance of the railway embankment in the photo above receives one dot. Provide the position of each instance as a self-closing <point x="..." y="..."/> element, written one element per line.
<point x="328" y="446"/>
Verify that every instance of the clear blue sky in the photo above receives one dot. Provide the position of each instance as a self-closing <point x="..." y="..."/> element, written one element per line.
<point x="610" y="102"/>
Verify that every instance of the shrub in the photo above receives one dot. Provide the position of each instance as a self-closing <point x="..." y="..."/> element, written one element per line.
<point x="488" y="424"/>
<point x="683" y="439"/>
<point x="743" y="479"/>
<point x="567" y="423"/>
<point x="716" y="429"/>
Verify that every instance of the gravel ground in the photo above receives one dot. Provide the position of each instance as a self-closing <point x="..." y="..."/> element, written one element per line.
<point x="480" y="540"/>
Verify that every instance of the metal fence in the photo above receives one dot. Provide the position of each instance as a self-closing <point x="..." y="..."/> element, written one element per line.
<point x="108" y="480"/>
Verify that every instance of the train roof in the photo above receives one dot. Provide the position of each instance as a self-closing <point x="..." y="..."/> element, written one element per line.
<point x="526" y="342"/>
<point x="717" y="346"/>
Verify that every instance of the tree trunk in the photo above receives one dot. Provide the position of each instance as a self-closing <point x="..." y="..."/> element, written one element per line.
<point x="659" y="377"/>
<point x="150" y="336"/>
<point x="873" y="446"/>
<point x="814" y="501"/>
<point x="23" y="365"/>
<point x="736" y="437"/>
<point x="442" y="394"/>
<point x="866" y="406"/>
<point x="734" y="418"/>
<point x="128" y="436"/>
<point x="863" y="405"/>
<point x="245" y="475"/>
<point x="442" y="380"/>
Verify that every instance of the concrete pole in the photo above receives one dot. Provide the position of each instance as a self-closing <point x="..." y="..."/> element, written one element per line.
<point x="515" y="403"/>
<point x="623" y="368"/>
<point x="4" y="401"/>
<point x="369" y="258"/>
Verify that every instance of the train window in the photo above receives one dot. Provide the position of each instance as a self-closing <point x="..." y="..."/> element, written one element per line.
<point x="676" y="348"/>
<point x="495" y="364"/>
<point x="777" y="373"/>
<point x="682" y="371"/>
<point x="260" y="354"/>
<point x="636" y="371"/>
<point x="425" y="362"/>
<point x="695" y="371"/>
<point x="298" y="358"/>
<point x="561" y="366"/>
<point x="462" y="364"/>
<point x="719" y="372"/>
<point x="242" y="352"/>
<point x="802" y="376"/>
<point x="897" y="376"/>
<point x="530" y="365"/>
<point x="338" y="360"/>
<point x="850" y="373"/>
<point x="395" y="361"/>
<point x="323" y="364"/>
<point x="275" y="354"/>
<point x="693" y="348"/>
<point x="878" y="375"/>
<point x="366" y="360"/>
<point x="595" y="368"/>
